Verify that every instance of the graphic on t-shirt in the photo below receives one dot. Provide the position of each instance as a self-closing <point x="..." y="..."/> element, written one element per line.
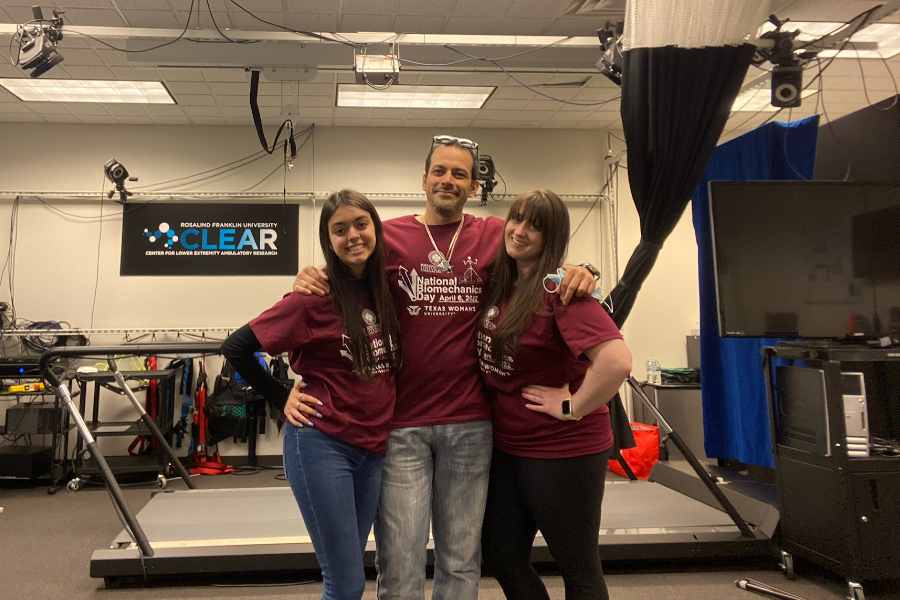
<point x="483" y="345"/>
<point x="439" y="295"/>
<point x="438" y="260"/>
<point x="471" y="275"/>
<point x="345" y="347"/>
<point x="489" y="316"/>
<point x="376" y="343"/>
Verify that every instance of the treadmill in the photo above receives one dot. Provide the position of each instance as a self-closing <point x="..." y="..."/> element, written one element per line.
<point x="257" y="531"/>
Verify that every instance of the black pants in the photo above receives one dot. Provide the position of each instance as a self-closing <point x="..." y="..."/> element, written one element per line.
<point x="559" y="497"/>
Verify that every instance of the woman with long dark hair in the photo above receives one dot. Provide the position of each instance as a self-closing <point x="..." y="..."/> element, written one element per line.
<point x="345" y="348"/>
<point x="551" y="446"/>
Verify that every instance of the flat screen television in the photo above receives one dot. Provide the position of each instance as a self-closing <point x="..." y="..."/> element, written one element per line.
<point x="807" y="259"/>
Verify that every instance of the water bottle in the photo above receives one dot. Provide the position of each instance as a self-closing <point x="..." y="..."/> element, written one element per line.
<point x="653" y="374"/>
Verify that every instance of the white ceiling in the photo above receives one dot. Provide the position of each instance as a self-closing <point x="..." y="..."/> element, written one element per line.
<point x="216" y="93"/>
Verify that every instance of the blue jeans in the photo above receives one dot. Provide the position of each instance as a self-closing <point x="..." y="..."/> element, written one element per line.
<point x="437" y="473"/>
<point x="336" y="486"/>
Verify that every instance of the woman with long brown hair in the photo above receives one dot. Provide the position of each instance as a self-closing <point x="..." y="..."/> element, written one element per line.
<point x="345" y="348"/>
<point x="551" y="443"/>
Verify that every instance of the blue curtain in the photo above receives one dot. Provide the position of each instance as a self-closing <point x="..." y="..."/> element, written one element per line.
<point x="735" y="412"/>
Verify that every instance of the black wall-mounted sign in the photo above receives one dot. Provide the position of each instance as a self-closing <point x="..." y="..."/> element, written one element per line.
<point x="209" y="239"/>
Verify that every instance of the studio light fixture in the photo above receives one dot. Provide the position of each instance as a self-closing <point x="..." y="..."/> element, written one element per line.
<point x="413" y="96"/>
<point x="88" y="90"/>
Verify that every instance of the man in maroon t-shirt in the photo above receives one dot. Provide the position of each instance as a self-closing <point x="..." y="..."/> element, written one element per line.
<point x="439" y="451"/>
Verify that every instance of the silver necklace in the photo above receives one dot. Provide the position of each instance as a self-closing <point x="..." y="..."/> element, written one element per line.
<point x="445" y="259"/>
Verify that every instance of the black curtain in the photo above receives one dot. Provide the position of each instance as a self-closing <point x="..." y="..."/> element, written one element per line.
<point x="675" y="102"/>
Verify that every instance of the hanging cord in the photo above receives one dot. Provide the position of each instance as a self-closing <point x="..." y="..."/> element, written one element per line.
<point x="257" y="121"/>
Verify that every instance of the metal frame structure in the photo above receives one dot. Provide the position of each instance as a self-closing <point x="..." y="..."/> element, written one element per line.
<point x="194" y="532"/>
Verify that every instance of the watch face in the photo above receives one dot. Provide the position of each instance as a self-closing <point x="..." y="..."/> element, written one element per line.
<point x="567" y="407"/>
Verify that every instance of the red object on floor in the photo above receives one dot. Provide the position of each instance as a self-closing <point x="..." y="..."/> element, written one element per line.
<point x="644" y="455"/>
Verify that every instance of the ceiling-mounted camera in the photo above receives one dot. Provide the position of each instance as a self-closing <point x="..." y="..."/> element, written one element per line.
<point x="787" y="73"/>
<point x="485" y="175"/>
<point x="610" y="62"/>
<point x="37" y="40"/>
<point x="118" y="174"/>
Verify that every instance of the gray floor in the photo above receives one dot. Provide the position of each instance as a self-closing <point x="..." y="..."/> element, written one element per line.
<point x="46" y="543"/>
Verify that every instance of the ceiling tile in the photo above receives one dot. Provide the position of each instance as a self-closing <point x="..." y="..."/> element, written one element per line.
<point x="481" y="8"/>
<point x="377" y="7"/>
<point x="242" y="20"/>
<point x="153" y="18"/>
<point x="185" y="87"/>
<point x="50" y="108"/>
<point x="476" y="25"/>
<point x="315" y="102"/>
<point x="112" y="57"/>
<point x="432" y="7"/>
<point x="233" y="89"/>
<point x="93" y="17"/>
<point x="172" y="74"/>
<point x="419" y="24"/>
<point x="362" y="22"/>
<point x="317" y="89"/>
<point x="311" y="21"/>
<point x="572" y="26"/>
<point x="136" y="74"/>
<point x="78" y="57"/>
<point x="196" y="100"/>
<point x="89" y="72"/>
<point x="536" y="8"/>
<point x="202" y="111"/>
<point x="126" y="110"/>
<point x="226" y="75"/>
<point x="87" y="108"/>
<point x="313" y="5"/>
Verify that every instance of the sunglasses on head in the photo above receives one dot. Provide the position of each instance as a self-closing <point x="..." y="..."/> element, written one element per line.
<point x="453" y="140"/>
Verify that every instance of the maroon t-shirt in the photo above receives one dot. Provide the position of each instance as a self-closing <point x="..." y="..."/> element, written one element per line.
<point x="550" y="352"/>
<point x="355" y="410"/>
<point x="439" y="381"/>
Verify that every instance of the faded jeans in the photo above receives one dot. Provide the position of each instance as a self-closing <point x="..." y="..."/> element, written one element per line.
<point x="434" y="475"/>
<point x="336" y="486"/>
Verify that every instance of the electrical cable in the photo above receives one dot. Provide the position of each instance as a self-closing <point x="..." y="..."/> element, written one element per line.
<point x="530" y="87"/>
<point x="298" y="32"/>
<point x="187" y="23"/>
<point x="830" y="127"/>
<point x="865" y="86"/>
<point x="499" y="58"/>
<point x="593" y="204"/>
<point x="99" y="240"/>
<point x="223" y="169"/>
<point x="218" y="29"/>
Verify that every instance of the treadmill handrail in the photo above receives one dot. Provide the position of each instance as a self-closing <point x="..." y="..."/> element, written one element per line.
<point x="122" y="350"/>
<point x="689" y="455"/>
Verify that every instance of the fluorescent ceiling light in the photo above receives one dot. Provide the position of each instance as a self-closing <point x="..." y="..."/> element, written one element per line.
<point x="413" y="96"/>
<point x="88" y="90"/>
<point x="886" y="35"/>
<point x="760" y="99"/>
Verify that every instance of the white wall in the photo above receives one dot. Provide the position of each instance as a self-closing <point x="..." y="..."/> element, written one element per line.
<point x="57" y="255"/>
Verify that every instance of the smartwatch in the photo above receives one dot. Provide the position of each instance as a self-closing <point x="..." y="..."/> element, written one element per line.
<point x="568" y="410"/>
<point x="594" y="271"/>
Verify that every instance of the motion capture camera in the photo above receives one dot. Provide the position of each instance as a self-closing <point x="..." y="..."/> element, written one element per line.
<point x="485" y="174"/>
<point x="118" y="174"/>
<point x="37" y="42"/>
<point x="610" y="62"/>
<point x="787" y="73"/>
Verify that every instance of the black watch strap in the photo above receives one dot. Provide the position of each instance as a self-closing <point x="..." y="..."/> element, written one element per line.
<point x="594" y="271"/>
